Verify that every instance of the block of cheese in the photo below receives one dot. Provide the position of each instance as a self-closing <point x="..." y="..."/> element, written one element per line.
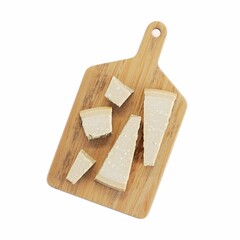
<point x="158" y="106"/>
<point x="97" y="122"/>
<point x="81" y="165"/>
<point x="116" y="168"/>
<point x="118" y="92"/>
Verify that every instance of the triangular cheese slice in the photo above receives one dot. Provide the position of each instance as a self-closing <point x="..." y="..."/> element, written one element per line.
<point x="116" y="167"/>
<point x="158" y="106"/>
<point x="81" y="165"/>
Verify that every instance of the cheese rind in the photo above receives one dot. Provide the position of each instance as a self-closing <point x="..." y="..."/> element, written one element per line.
<point x="158" y="106"/>
<point x="116" y="168"/>
<point x="81" y="165"/>
<point x="118" y="92"/>
<point x="97" y="122"/>
<point x="110" y="183"/>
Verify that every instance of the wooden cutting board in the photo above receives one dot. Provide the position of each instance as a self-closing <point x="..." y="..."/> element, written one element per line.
<point x="139" y="72"/>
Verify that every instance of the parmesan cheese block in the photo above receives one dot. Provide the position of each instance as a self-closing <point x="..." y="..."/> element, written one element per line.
<point x="81" y="165"/>
<point x="158" y="106"/>
<point x="97" y="122"/>
<point x="118" y="92"/>
<point x="116" y="167"/>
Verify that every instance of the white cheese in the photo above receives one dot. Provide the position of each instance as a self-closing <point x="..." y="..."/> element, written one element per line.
<point x="97" y="122"/>
<point x="118" y="92"/>
<point x="116" y="167"/>
<point x="81" y="165"/>
<point x="158" y="106"/>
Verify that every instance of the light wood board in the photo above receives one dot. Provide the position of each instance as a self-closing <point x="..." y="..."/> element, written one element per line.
<point x="138" y="73"/>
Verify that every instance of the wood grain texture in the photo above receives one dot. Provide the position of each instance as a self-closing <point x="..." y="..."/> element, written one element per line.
<point x="138" y="73"/>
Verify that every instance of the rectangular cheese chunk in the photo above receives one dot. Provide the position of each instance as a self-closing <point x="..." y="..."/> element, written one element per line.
<point x="97" y="122"/>
<point x="118" y="92"/>
<point x="158" y="106"/>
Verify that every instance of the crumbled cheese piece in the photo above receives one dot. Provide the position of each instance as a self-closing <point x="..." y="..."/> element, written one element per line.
<point x="81" y="165"/>
<point x="158" y="106"/>
<point x="116" y="167"/>
<point x="118" y="92"/>
<point x="97" y="122"/>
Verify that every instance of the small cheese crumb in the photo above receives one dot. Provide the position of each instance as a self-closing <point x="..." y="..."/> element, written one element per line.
<point x="81" y="165"/>
<point x="97" y="122"/>
<point x="158" y="106"/>
<point x="118" y="92"/>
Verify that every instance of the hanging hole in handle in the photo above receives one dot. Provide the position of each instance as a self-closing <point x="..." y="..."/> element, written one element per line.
<point x="156" y="32"/>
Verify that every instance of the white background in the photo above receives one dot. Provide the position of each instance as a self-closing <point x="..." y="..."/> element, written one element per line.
<point x="45" y="48"/>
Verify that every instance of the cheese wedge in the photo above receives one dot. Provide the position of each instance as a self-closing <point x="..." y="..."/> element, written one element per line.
<point x="118" y="92"/>
<point x="158" y="106"/>
<point x="97" y="122"/>
<point x="116" y="168"/>
<point x="81" y="165"/>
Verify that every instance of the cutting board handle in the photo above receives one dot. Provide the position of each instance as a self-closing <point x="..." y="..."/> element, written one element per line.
<point x="152" y="43"/>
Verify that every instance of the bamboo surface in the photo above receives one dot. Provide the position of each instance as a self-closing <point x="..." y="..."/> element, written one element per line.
<point x="138" y="73"/>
